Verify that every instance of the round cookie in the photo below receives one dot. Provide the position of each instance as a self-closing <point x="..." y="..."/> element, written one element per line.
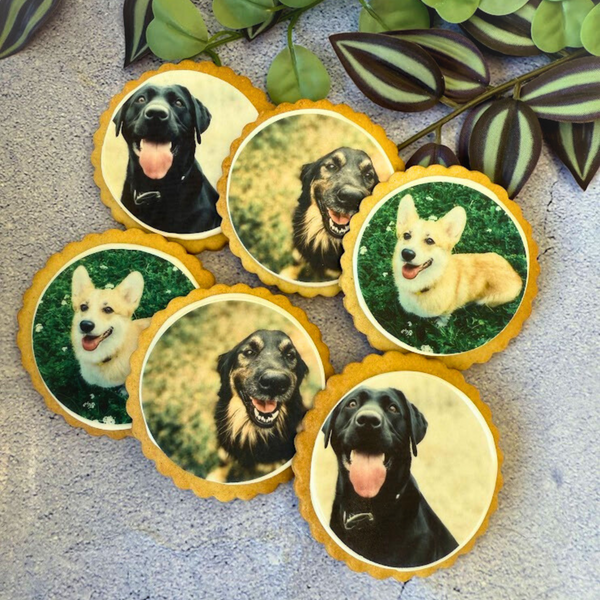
<point x="440" y="262"/>
<point x="83" y="314"/>
<point x="291" y="185"/>
<point x="398" y="466"/>
<point x="219" y="385"/>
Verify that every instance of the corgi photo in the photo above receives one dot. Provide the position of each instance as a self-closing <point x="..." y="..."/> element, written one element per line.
<point x="431" y="281"/>
<point x="104" y="333"/>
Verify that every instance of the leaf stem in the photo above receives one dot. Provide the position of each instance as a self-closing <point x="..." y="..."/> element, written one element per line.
<point x="290" y="44"/>
<point x="490" y="93"/>
<point x="373" y="14"/>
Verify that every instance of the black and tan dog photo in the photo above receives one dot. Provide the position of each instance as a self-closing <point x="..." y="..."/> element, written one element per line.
<point x="260" y="406"/>
<point x="294" y="185"/>
<point x="165" y="187"/>
<point x="332" y="189"/>
<point x="378" y="510"/>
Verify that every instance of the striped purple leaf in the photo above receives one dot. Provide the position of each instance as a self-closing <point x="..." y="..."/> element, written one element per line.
<point x="137" y="14"/>
<point x="432" y="154"/>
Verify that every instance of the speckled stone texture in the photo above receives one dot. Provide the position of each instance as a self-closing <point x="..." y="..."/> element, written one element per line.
<point x="88" y="518"/>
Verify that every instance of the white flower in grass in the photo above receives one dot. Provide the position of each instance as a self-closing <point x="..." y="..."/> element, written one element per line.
<point x="103" y="267"/>
<point x="64" y="348"/>
<point x="409" y="324"/>
<point x="388" y="228"/>
<point x="38" y="327"/>
<point x="384" y="274"/>
<point x="363" y="250"/>
<point x="92" y="396"/>
<point x="488" y="231"/>
<point x="109" y="420"/>
<point x="429" y="198"/>
<point x="498" y="208"/>
<point x="406" y="332"/>
<point x="89" y="405"/>
<point x="109" y="286"/>
<point x="168" y="292"/>
<point x="426" y="348"/>
<point x="63" y="303"/>
<point x="432" y="218"/>
<point x="174" y="269"/>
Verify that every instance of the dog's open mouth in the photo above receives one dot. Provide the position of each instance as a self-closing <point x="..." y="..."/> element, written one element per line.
<point x="367" y="472"/>
<point x="265" y="411"/>
<point x="91" y="342"/>
<point x="338" y="223"/>
<point x="156" y="158"/>
<point x="410" y="271"/>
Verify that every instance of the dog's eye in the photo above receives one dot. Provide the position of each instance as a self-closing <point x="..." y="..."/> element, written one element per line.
<point x="178" y="102"/>
<point x="407" y="236"/>
<point x="291" y="355"/>
<point x="369" y="175"/>
<point x="393" y="408"/>
<point x="429" y="241"/>
<point x="107" y="310"/>
<point x="352" y="404"/>
<point x="141" y="100"/>
<point x="83" y="307"/>
<point x="330" y="166"/>
<point x="248" y="352"/>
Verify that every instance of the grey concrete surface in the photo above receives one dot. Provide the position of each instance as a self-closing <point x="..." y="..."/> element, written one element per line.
<point x="86" y="518"/>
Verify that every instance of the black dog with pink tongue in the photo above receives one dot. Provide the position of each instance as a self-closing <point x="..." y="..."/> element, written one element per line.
<point x="378" y="510"/>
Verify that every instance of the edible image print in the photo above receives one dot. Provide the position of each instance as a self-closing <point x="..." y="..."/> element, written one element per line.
<point x="225" y="385"/>
<point x="294" y="185"/>
<point x="403" y="471"/>
<point x="88" y="321"/>
<point x="441" y="266"/>
<point x="162" y="152"/>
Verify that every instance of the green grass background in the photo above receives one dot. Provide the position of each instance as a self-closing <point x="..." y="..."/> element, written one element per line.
<point x="488" y="229"/>
<point x="180" y="382"/>
<point x="265" y="181"/>
<point x="52" y="347"/>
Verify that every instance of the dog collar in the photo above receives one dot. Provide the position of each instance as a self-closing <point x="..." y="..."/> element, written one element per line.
<point x="357" y="520"/>
<point x="107" y="359"/>
<point x="422" y="291"/>
<point x="140" y="199"/>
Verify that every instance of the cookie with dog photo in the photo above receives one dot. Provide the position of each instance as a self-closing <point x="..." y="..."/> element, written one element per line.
<point x="160" y="147"/>
<point x="293" y="182"/>
<point x="219" y="386"/>
<point x="83" y="316"/>
<point x="440" y="262"/>
<point x="398" y="468"/>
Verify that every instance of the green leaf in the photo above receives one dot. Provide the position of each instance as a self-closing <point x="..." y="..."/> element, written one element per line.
<point x="464" y="68"/>
<point x="393" y="14"/>
<point x="509" y="34"/>
<point x="177" y="30"/>
<point x="253" y="32"/>
<point x="393" y="73"/>
<point x="454" y="11"/>
<point x="501" y="7"/>
<point x="239" y="14"/>
<point x="19" y="20"/>
<point x="567" y="92"/>
<point x="293" y="77"/>
<point x="506" y="144"/>
<point x="433" y="154"/>
<point x="137" y="15"/>
<point x="466" y="131"/>
<point x="577" y="145"/>
<point x="296" y="3"/>
<point x="557" y="25"/>
<point x="590" y="31"/>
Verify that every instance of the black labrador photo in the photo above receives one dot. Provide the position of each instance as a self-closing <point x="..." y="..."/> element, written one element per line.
<point x="332" y="189"/>
<point x="165" y="187"/>
<point x="378" y="510"/>
<point x="259" y="407"/>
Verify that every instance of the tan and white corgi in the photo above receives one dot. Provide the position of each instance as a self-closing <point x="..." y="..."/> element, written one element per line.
<point x="433" y="282"/>
<point x="103" y="333"/>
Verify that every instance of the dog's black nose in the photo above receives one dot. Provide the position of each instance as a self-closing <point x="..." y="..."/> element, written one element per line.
<point x="408" y="254"/>
<point x="274" y="382"/>
<point x="368" y="418"/>
<point x="350" y="196"/>
<point x="156" y="112"/>
<point x="86" y="326"/>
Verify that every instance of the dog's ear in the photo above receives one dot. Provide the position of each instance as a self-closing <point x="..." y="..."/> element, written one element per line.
<point x="225" y="364"/>
<point x="81" y="283"/>
<point x="307" y="173"/>
<point x="330" y="422"/>
<point x="118" y="118"/>
<point x="407" y="214"/>
<point x="301" y="368"/>
<point x="202" y="116"/>
<point x="454" y="223"/>
<point x="417" y="424"/>
<point x="131" y="289"/>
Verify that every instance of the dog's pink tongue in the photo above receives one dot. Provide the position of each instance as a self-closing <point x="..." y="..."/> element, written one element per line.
<point x="339" y="218"/>
<point x="266" y="406"/>
<point x="410" y="271"/>
<point x="155" y="159"/>
<point x="367" y="473"/>
<point x="90" y="342"/>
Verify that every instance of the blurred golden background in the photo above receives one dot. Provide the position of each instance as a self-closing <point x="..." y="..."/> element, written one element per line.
<point x="180" y="381"/>
<point x="456" y="463"/>
<point x="264" y="184"/>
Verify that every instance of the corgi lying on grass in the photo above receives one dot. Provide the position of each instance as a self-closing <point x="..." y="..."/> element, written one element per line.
<point x="103" y="333"/>
<point x="433" y="282"/>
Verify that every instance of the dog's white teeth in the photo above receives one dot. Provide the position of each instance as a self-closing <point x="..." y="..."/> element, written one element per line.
<point x="265" y="418"/>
